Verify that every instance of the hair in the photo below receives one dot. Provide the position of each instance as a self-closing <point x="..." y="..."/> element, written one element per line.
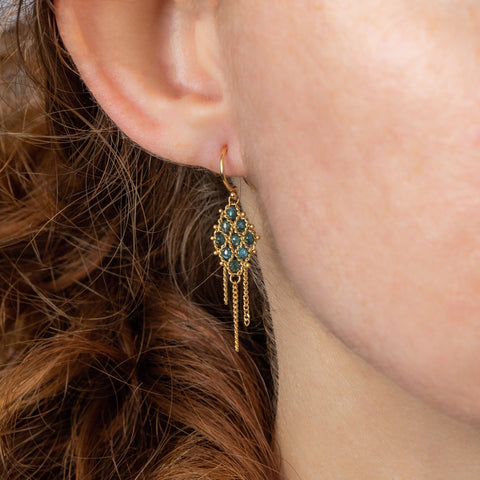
<point x="116" y="351"/>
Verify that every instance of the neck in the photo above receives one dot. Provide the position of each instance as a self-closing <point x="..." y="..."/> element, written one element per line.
<point x="338" y="417"/>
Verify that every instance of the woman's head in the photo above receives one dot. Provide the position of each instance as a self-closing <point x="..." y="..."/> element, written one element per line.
<point x="358" y="125"/>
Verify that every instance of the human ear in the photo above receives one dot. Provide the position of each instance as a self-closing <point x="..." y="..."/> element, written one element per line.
<point x="154" y="67"/>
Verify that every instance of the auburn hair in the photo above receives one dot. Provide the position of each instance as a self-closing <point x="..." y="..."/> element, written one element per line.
<point x="116" y="351"/>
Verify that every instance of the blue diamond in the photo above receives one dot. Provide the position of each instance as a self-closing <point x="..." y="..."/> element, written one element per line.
<point x="219" y="239"/>
<point x="232" y="213"/>
<point x="235" y="265"/>
<point x="226" y="253"/>
<point x="249" y="238"/>
<point x="241" y="225"/>
<point x="236" y="240"/>
<point x="226" y="226"/>
<point x="242" y="253"/>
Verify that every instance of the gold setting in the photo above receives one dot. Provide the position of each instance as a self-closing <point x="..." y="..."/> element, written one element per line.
<point x="234" y="241"/>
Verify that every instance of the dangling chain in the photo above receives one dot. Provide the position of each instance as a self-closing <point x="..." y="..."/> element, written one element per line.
<point x="246" y="300"/>
<point x="235" y="313"/>
<point x="225" y="285"/>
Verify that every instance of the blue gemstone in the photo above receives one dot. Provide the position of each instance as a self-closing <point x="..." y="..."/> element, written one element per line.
<point x="235" y="265"/>
<point x="249" y="238"/>
<point x="236" y="240"/>
<point x="226" y="253"/>
<point x="241" y="225"/>
<point x="242" y="253"/>
<point x="232" y="213"/>
<point x="226" y="226"/>
<point x="219" y="239"/>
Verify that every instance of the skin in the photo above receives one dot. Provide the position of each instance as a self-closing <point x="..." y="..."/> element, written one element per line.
<point x="358" y="125"/>
<point x="365" y="151"/>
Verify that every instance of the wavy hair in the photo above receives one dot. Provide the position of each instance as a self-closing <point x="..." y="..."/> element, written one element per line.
<point x="116" y="351"/>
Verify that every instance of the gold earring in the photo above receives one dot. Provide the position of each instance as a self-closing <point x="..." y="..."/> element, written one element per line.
<point x="234" y="240"/>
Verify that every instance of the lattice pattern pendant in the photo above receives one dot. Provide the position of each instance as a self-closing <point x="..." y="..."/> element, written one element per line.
<point x="234" y="240"/>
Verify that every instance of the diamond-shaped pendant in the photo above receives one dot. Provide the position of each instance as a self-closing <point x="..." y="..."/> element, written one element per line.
<point x="234" y="240"/>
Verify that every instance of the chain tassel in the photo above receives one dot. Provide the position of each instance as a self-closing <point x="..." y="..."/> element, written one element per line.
<point x="235" y="313"/>
<point x="225" y="285"/>
<point x="246" y="299"/>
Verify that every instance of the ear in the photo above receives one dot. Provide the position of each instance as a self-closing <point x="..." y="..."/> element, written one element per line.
<point x="154" y="67"/>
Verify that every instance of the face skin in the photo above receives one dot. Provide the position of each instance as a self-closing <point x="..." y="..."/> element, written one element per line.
<point x="358" y="123"/>
<point x="360" y="126"/>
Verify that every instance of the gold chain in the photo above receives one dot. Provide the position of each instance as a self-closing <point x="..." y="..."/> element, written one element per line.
<point x="225" y="285"/>
<point x="246" y="300"/>
<point x="235" y="313"/>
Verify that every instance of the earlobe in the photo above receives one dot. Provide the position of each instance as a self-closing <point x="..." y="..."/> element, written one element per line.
<point x="155" y="69"/>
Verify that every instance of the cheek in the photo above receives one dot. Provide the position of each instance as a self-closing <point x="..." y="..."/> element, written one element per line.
<point x="364" y="146"/>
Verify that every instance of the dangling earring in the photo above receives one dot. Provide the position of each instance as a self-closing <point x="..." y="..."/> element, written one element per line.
<point x="234" y="241"/>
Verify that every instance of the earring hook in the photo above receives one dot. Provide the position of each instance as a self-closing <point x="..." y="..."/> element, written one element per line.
<point x="230" y="188"/>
